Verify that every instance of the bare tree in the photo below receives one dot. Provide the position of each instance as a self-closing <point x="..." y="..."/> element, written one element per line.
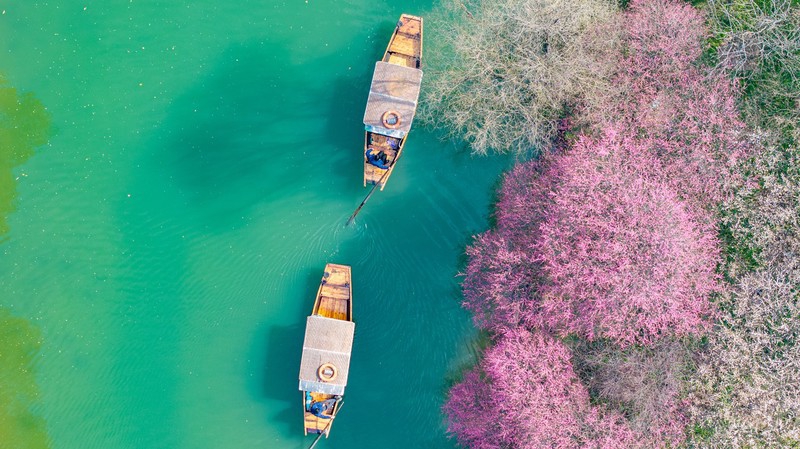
<point x="505" y="70"/>
<point x="644" y="383"/>
<point x="756" y="35"/>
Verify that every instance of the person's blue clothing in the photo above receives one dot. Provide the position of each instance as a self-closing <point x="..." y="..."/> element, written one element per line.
<point x="376" y="160"/>
<point x="318" y="408"/>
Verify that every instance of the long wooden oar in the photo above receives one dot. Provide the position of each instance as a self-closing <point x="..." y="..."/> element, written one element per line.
<point x="326" y="427"/>
<point x="358" y="209"/>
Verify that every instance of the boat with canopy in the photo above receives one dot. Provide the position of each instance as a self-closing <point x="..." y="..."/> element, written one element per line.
<point x="325" y="364"/>
<point x="392" y="101"/>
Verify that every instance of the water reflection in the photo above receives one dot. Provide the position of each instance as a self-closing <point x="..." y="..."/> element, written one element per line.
<point x="19" y="345"/>
<point x="24" y="125"/>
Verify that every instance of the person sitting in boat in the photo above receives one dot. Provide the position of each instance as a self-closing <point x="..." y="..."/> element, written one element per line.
<point x="379" y="160"/>
<point x="394" y="143"/>
<point x="318" y="409"/>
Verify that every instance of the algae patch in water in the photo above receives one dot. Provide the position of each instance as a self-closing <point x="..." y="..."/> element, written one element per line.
<point x="24" y="125"/>
<point x="20" y="428"/>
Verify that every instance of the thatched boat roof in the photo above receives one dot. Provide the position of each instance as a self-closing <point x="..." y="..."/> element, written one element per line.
<point x="394" y="88"/>
<point x="327" y="341"/>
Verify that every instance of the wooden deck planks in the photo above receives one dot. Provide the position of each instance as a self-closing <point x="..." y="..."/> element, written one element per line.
<point x="410" y="26"/>
<point x="342" y="310"/>
<point x="403" y="60"/>
<point x="334" y="308"/>
<point x="373" y="173"/>
<point x="314" y="423"/>
<point x="335" y="291"/>
<point x="405" y="45"/>
<point x="338" y="276"/>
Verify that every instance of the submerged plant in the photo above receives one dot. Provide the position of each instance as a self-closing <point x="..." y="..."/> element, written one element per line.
<point x="24" y="125"/>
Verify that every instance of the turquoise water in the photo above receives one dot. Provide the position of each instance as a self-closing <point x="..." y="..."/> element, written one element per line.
<point x="169" y="238"/>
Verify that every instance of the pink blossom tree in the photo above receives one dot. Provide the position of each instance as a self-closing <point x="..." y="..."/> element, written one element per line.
<point x="623" y="255"/>
<point x="619" y="226"/>
<point x="684" y="115"/>
<point x="611" y="239"/>
<point x="525" y="394"/>
<point x="499" y="282"/>
<point x="594" y="242"/>
<point x="502" y="276"/>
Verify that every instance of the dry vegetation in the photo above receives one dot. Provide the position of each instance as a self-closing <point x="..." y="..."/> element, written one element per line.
<point x="506" y="70"/>
<point x="758" y="42"/>
<point x="644" y="383"/>
<point x="746" y="391"/>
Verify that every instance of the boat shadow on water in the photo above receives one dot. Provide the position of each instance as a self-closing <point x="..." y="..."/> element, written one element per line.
<point x="343" y="125"/>
<point x="228" y="132"/>
<point x="279" y="376"/>
<point x="278" y="373"/>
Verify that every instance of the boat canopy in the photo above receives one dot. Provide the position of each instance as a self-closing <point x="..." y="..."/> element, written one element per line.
<point x="328" y="342"/>
<point x="394" y="89"/>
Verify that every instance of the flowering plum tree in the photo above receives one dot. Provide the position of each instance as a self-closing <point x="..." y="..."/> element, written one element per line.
<point x="613" y="240"/>
<point x="525" y="394"/>
<point x="685" y="116"/>
<point x="501" y="276"/>
<point x="624" y="257"/>
<point x="499" y="282"/>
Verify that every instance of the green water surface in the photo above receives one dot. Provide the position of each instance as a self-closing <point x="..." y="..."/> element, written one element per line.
<point x="159" y="253"/>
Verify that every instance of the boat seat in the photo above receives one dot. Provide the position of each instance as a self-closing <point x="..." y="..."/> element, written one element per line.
<point x="409" y="26"/>
<point x="335" y="291"/>
<point x="403" y="60"/>
<point x="405" y="45"/>
<point x="408" y="35"/>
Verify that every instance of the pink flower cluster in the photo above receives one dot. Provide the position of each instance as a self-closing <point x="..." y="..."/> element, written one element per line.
<point x="623" y="257"/>
<point x="613" y="237"/>
<point x="525" y="394"/>
<point x="680" y="115"/>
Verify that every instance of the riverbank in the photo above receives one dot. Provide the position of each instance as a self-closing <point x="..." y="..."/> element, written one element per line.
<point x="598" y="279"/>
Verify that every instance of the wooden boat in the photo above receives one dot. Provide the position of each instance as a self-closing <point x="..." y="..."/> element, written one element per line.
<point x="392" y="100"/>
<point x="326" y="350"/>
